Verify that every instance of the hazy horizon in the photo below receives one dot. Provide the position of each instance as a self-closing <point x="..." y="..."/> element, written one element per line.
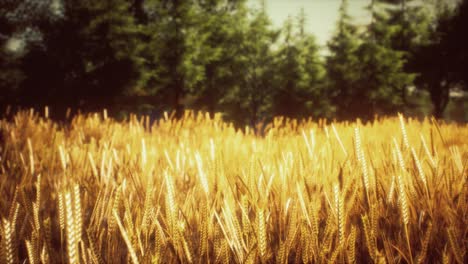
<point x="321" y="15"/>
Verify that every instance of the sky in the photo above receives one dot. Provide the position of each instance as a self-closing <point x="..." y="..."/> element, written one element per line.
<point x="322" y="15"/>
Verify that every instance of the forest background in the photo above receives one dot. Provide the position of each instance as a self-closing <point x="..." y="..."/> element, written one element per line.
<point x="226" y="56"/>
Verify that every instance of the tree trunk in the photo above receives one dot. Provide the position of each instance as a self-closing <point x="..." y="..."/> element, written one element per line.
<point x="176" y="105"/>
<point x="211" y="91"/>
<point x="440" y="99"/>
<point x="254" y="115"/>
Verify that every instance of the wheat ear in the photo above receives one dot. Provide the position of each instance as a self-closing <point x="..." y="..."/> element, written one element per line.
<point x="403" y="131"/>
<point x="8" y="247"/>
<point x="131" y="250"/>
<point x="261" y="236"/>
<point x="77" y="213"/>
<point x="457" y="251"/>
<point x="362" y="161"/>
<point x="404" y="212"/>
<point x="370" y="239"/>
<point x="31" y="253"/>
<point x="425" y="244"/>
<point x="340" y="215"/>
<point x="422" y="175"/>
<point x="352" y="246"/>
<point x="70" y="230"/>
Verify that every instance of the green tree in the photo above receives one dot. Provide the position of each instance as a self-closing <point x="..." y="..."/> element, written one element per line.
<point x="300" y="74"/>
<point x="19" y="34"/>
<point x="175" y="51"/>
<point x="11" y="74"/>
<point x="86" y="53"/>
<point x="111" y="43"/>
<point x="457" y="41"/>
<point x="287" y="100"/>
<point x="342" y="65"/>
<point x="440" y="62"/>
<point x="314" y="82"/>
<point x="252" y="96"/>
<point x="410" y="20"/>
<point x="382" y="75"/>
<point x="221" y="25"/>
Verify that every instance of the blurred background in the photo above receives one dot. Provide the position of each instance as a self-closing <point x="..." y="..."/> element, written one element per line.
<point x="248" y="60"/>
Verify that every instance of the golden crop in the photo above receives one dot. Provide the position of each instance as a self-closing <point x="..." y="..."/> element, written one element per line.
<point x="198" y="190"/>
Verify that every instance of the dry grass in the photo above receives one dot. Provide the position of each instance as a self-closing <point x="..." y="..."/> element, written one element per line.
<point x="197" y="190"/>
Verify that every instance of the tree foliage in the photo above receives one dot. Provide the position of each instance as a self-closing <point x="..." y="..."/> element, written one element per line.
<point x="441" y="60"/>
<point x="300" y="77"/>
<point x="342" y="66"/>
<point x="383" y="78"/>
<point x="255" y="59"/>
<point x="225" y="56"/>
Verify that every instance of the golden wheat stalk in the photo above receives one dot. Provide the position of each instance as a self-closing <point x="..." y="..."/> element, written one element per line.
<point x="115" y="206"/>
<point x="428" y="153"/>
<point x="457" y="158"/>
<point x="44" y="255"/>
<point x="132" y="252"/>
<point x="370" y="237"/>
<point x="456" y="250"/>
<point x="315" y="228"/>
<point x="204" y="225"/>
<point x="445" y="258"/>
<point x="201" y="174"/>
<point x="188" y="253"/>
<point x="305" y="244"/>
<point x="77" y="213"/>
<point x="46" y="112"/>
<point x="146" y="209"/>
<point x="303" y="205"/>
<point x="403" y="202"/>
<point x="280" y="258"/>
<point x="61" y="207"/>
<point x="31" y="156"/>
<point x="340" y="221"/>
<point x="262" y="235"/>
<point x="403" y="131"/>
<point x="327" y="238"/>
<point x="361" y="158"/>
<point x="93" y="165"/>
<point x="8" y="247"/>
<point x="37" y="225"/>
<point x="14" y="209"/>
<point x="425" y="244"/>
<point x="391" y="191"/>
<point x="169" y="218"/>
<point x="143" y="154"/>
<point x="334" y="256"/>
<point x="421" y="173"/>
<point x="47" y="234"/>
<point x="72" y="247"/>
<point x="31" y="253"/>
<point x="401" y="161"/>
<point x="93" y="250"/>
<point x="351" y="252"/>
<point x="339" y="140"/>
<point x="63" y="158"/>
<point x="291" y="230"/>
<point x="171" y="210"/>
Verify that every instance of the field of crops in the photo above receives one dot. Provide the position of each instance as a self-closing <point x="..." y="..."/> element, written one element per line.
<point x="198" y="190"/>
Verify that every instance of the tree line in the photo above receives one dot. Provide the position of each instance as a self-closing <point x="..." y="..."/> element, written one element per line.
<point x="226" y="56"/>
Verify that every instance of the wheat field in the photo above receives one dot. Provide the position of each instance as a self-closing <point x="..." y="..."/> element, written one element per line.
<point x="197" y="190"/>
